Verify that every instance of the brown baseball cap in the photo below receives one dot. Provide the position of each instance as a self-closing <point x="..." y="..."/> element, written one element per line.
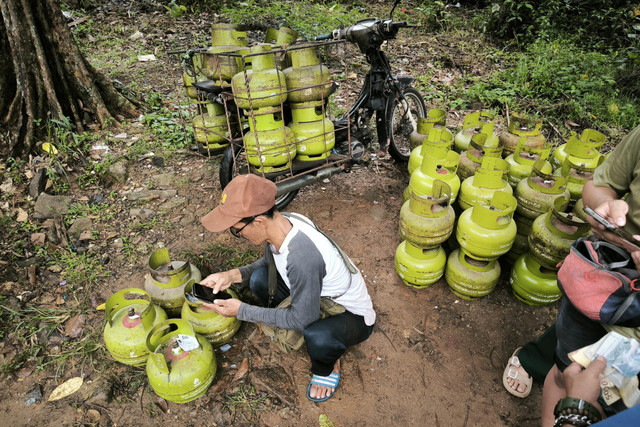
<point x="245" y="196"/>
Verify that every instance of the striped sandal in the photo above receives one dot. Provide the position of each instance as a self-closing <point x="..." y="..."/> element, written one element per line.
<point x="331" y="381"/>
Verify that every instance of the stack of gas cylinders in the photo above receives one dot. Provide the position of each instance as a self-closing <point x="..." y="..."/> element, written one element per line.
<point x="516" y="205"/>
<point x="279" y="92"/>
<point x="160" y="328"/>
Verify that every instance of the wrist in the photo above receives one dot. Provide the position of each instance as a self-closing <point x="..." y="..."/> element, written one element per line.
<point x="576" y="412"/>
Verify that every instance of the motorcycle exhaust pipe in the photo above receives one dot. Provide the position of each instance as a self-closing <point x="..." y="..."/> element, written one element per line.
<point x="304" y="180"/>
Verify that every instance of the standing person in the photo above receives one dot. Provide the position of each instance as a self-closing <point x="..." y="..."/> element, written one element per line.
<point x="309" y="266"/>
<point x="617" y="176"/>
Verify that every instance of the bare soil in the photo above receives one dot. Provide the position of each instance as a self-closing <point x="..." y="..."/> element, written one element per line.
<point x="433" y="358"/>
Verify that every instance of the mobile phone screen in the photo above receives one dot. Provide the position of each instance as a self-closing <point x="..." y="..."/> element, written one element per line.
<point x="205" y="293"/>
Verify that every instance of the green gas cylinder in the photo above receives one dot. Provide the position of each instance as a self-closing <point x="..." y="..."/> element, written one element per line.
<point x="436" y="118"/>
<point x="486" y="232"/>
<point x="437" y="138"/>
<point x="419" y="267"/>
<point x="532" y="283"/>
<point x="523" y="160"/>
<point x="585" y="149"/>
<point x="519" y="127"/>
<point x="270" y="145"/>
<point x="128" y="321"/>
<point x="314" y="134"/>
<point x="427" y="221"/>
<point x="181" y="363"/>
<point x="519" y="248"/>
<point x="211" y="129"/>
<point x="227" y="35"/>
<point x="537" y="194"/>
<point x="286" y="36"/>
<point x="488" y="178"/>
<point x="307" y="79"/>
<point x="578" y="210"/>
<point x="263" y="85"/>
<point x="470" y="278"/>
<point x="222" y="59"/>
<point x="474" y="123"/>
<point x="166" y="280"/>
<point x="577" y="175"/>
<point x="193" y="71"/>
<point x="215" y="328"/>
<point x="552" y="235"/>
<point x="480" y="146"/>
<point x="440" y="164"/>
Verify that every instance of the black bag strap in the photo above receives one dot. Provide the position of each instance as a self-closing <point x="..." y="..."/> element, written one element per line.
<point x="623" y="307"/>
<point x="272" y="275"/>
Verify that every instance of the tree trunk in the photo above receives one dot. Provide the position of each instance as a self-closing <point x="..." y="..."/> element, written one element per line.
<point x="44" y="76"/>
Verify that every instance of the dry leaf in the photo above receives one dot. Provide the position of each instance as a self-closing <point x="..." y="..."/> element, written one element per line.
<point x="22" y="215"/>
<point x="73" y="327"/>
<point x="60" y="300"/>
<point x="160" y="403"/>
<point x="24" y="372"/>
<point x="67" y="388"/>
<point x="85" y="235"/>
<point x="93" y="415"/>
<point x="221" y="385"/>
<point x="38" y="239"/>
<point x="244" y="368"/>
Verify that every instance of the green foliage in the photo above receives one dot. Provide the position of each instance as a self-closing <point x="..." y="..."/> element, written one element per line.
<point x="175" y="10"/>
<point x="309" y="19"/>
<point x="562" y="79"/>
<point x="167" y="124"/>
<point x="219" y="258"/>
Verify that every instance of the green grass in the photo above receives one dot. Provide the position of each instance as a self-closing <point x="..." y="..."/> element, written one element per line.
<point x="246" y="402"/>
<point x="216" y="257"/>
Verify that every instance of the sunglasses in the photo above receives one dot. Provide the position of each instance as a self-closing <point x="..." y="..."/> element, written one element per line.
<point x="236" y="231"/>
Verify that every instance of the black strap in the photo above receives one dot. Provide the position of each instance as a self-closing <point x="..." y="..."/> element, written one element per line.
<point x="272" y="275"/>
<point x="619" y="251"/>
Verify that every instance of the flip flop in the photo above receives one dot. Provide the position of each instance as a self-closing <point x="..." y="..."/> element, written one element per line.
<point x="331" y="381"/>
<point x="510" y="373"/>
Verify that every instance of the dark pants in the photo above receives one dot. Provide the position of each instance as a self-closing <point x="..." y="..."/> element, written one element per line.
<point x="326" y="339"/>
<point x="536" y="356"/>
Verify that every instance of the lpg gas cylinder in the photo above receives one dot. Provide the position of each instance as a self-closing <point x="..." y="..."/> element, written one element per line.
<point x="437" y="138"/>
<point x="271" y="35"/>
<point x="552" y="235"/>
<point x="128" y="323"/>
<point x="227" y="35"/>
<point x="440" y="164"/>
<point x="486" y="232"/>
<point x="270" y="145"/>
<point x="221" y="59"/>
<point x="578" y="210"/>
<point x="532" y="283"/>
<point x="584" y="150"/>
<point x="519" y="127"/>
<point x="166" y="280"/>
<point x="314" y="134"/>
<point x="479" y="188"/>
<point x="210" y="129"/>
<point x="427" y="221"/>
<point x="537" y="194"/>
<point x="474" y="123"/>
<point x="470" y="278"/>
<point x="480" y="146"/>
<point x="307" y="79"/>
<point x="193" y="72"/>
<point x="286" y="36"/>
<point x="215" y="328"/>
<point x="523" y="159"/>
<point x="263" y="85"/>
<point x="577" y="176"/>
<point x="419" y="267"/>
<point x="519" y="248"/>
<point x="436" y="118"/>
<point x="181" y="363"/>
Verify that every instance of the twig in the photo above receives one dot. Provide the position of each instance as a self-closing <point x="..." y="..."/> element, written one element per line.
<point x="388" y="339"/>
<point x="556" y="129"/>
<point x="466" y="417"/>
<point x="506" y="106"/>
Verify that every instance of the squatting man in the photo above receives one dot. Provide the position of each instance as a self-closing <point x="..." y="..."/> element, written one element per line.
<point x="309" y="266"/>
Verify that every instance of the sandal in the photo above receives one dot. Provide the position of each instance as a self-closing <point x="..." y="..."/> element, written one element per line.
<point x="511" y="372"/>
<point x="331" y="381"/>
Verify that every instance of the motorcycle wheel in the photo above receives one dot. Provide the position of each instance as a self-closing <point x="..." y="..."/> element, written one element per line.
<point x="234" y="163"/>
<point x="399" y="126"/>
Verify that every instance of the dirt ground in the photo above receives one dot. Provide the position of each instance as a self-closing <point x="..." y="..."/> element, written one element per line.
<point x="433" y="358"/>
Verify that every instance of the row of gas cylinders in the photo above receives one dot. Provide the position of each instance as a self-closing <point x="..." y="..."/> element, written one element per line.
<point x="263" y="87"/>
<point x="515" y="209"/>
<point x="142" y="327"/>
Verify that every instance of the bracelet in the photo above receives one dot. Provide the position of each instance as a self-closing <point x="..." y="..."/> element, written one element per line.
<point x="570" y="405"/>
<point x="573" y="419"/>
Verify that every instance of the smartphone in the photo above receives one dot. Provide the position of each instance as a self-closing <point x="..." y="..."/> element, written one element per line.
<point x="205" y="293"/>
<point x="630" y="242"/>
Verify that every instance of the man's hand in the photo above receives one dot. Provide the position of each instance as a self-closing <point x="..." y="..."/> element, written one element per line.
<point x="585" y="383"/>
<point x="223" y="280"/>
<point x="615" y="211"/>
<point x="225" y="307"/>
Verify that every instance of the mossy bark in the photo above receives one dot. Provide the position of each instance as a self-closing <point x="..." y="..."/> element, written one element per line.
<point x="43" y="75"/>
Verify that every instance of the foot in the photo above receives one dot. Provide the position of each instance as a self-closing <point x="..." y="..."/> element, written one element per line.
<point x="516" y="379"/>
<point x="320" y="392"/>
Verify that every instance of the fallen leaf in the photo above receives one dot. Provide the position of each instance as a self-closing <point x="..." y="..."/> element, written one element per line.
<point x="242" y="371"/>
<point x="7" y="186"/>
<point x="93" y="415"/>
<point x="49" y="148"/>
<point x="111" y="235"/>
<point x="160" y="403"/>
<point x="65" y="389"/>
<point x="29" y="174"/>
<point x="32" y="276"/>
<point x="85" y="235"/>
<point x="73" y="327"/>
<point x="22" y="215"/>
<point x="102" y="306"/>
<point x="59" y="300"/>
<point x="220" y="385"/>
<point x="24" y="372"/>
<point x="38" y="239"/>
<point x="324" y="421"/>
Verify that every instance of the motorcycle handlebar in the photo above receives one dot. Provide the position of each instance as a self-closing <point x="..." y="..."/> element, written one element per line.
<point x="323" y="37"/>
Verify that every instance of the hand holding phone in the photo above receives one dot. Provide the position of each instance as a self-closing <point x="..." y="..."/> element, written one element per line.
<point x="629" y="242"/>
<point x="205" y="293"/>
